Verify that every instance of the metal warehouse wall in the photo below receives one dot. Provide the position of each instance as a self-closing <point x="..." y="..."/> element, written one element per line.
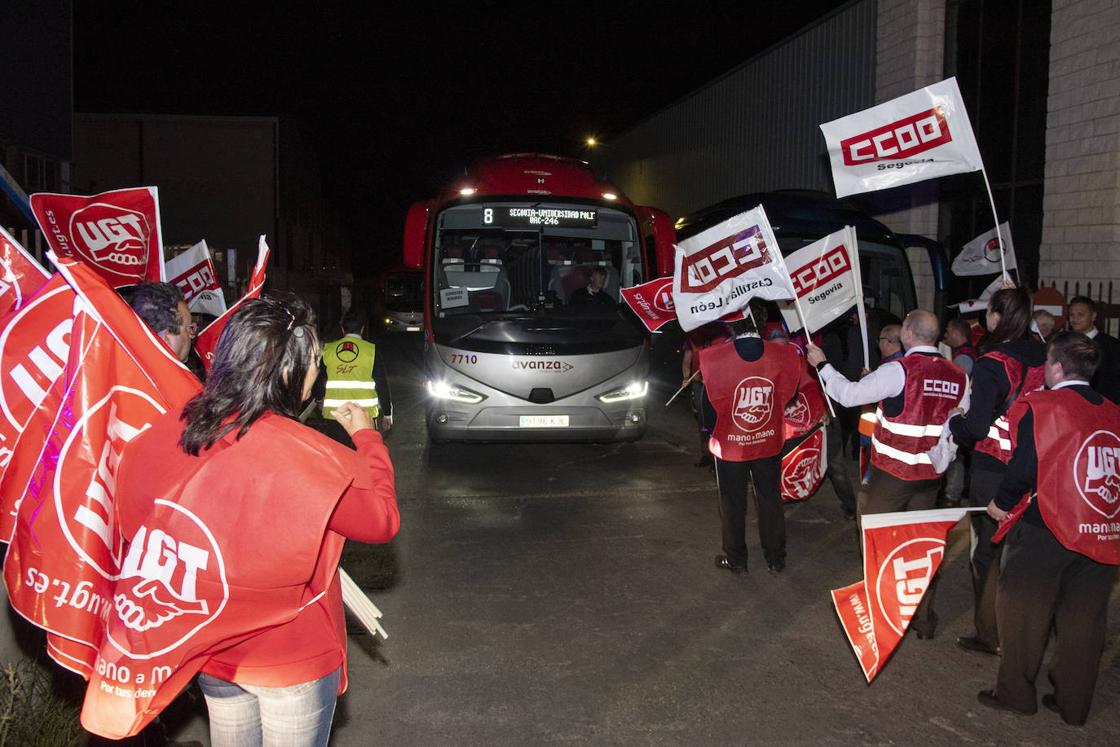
<point x="754" y="128"/>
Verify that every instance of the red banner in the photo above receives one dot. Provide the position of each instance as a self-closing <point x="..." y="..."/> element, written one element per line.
<point x="20" y="274"/>
<point x="207" y="341"/>
<point x="116" y="233"/>
<point x="65" y="551"/>
<point x="807" y="408"/>
<point x="901" y="553"/>
<point x="803" y="468"/>
<point x="34" y="348"/>
<point x="652" y="302"/>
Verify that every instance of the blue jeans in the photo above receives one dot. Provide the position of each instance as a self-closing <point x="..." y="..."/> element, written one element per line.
<point x="254" y="716"/>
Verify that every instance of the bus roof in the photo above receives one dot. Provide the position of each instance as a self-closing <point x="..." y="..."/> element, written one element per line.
<point x="803" y="213"/>
<point x="537" y="175"/>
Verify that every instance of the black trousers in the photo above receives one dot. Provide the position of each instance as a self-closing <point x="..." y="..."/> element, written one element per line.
<point x="839" y="471"/>
<point x="985" y="556"/>
<point x="1042" y="584"/>
<point x="732" y="478"/>
<point x="886" y="493"/>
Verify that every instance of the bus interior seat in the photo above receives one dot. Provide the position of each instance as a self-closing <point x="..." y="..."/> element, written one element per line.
<point x="557" y="254"/>
<point x="565" y="280"/>
<point x="486" y="282"/>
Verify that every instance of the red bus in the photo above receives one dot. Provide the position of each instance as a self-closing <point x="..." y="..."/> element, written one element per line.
<point x="519" y="343"/>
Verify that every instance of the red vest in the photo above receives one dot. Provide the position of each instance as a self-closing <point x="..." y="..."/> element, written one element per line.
<point x="749" y="398"/>
<point x="998" y="441"/>
<point x="1078" y="470"/>
<point x="934" y="386"/>
<point x="219" y="548"/>
<point x="807" y="408"/>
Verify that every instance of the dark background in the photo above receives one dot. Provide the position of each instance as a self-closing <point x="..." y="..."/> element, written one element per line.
<point x="397" y="98"/>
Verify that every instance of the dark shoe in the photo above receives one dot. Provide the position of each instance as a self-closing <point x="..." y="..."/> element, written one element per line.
<point x="776" y="566"/>
<point x="849" y="514"/>
<point x="727" y="565"/>
<point x="1051" y="703"/>
<point x="988" y="698"/>
<point x="925" y="635"/>
<point x="974" y="644"/>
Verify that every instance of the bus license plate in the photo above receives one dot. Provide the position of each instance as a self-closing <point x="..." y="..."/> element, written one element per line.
<point x="544" y="421"/>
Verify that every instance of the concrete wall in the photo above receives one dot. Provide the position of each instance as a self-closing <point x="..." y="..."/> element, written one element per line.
<point x="1081" y="224"/>
<point x="910" y="44"/>
<point x="754" y="128"/>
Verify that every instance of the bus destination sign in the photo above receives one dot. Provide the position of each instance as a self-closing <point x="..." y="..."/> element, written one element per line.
<point x="538" y="216"/>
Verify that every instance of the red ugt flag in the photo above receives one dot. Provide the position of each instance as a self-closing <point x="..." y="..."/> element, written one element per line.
<point x="65" y="551"/>
<point x="803" y="468"/>
<point x="34" y="349"/>
<point x="117" y="233"/>
<point x="207" y="341"/>
<point x="901" y="553"/>
<point x="20" y="274"/>
<point x="652" y="302"/>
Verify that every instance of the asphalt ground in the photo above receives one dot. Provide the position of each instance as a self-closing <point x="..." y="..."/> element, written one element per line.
<point x="566" y="593"/>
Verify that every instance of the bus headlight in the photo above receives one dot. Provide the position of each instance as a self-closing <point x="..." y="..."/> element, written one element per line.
<point x="443" y="390"/>
<point x="634" y="390"/>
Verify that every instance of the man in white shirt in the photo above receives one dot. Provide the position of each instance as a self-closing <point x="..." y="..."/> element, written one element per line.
<point x="915" y="394"/>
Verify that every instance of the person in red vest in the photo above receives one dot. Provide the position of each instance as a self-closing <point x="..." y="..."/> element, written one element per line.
<point x="1055" y="501"/>
<point x="275" y="501"/>
<point x="1010" y="364"/>
<point x="915" y="395"/>
<point x="748" y="383"/>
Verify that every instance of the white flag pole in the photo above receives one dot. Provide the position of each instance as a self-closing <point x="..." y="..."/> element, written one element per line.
<point x="804" y="324"/>
<point x="995" y="217"/>
<point x="852" y="243"/>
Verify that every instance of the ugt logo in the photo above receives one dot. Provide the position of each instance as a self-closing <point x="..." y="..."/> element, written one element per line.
<point x="1096" y="471"/>
<point x="112" y="237"/>
<point x="904" y="577"/>
<point x="727" y="258"/>
<point x="753" y="402"/>
<point x="663" y="299"/>
<point x="800" y="477"/>
<point x="896" y="141"/>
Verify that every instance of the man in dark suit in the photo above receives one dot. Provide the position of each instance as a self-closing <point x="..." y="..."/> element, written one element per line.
<point x="1061" y="555"/>
<point x="1083" y="319"/>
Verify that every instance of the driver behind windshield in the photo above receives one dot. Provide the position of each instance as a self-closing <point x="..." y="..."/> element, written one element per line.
<point x="593" y="294"/>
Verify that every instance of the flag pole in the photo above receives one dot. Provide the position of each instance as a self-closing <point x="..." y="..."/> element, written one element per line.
<point x="853" y="255"/>
<point x="995" y="217"/>
<point x="804" y="326"/>
<point x="683" y="387"/>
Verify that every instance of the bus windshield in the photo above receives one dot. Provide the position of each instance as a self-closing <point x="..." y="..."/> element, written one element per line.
<point x="512" y="258"/>
<point x="403" y="292"/>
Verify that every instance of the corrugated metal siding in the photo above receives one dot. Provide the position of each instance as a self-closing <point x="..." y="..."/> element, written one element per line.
<point x="755" y="128"/>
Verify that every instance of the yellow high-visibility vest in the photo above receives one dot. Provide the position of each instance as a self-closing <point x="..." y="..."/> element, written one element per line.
<point x="349" y="364"/>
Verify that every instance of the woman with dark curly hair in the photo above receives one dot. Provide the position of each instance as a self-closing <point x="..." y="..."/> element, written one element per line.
<point x="275" y="500"/>
<point x="1009" y="365"/>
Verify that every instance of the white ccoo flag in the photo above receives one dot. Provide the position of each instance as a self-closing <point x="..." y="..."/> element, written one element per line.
<point x="922" y="135"/>
<point x="825" y="279"/>
<point x="193" y="273"/>
<point x="981" y="255"/>
<point x="720" y="270"/>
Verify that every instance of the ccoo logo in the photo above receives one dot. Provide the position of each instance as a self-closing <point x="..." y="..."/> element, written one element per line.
<point x="753" y="403"/>
<point x="904" y="577"/>
<point x="899" y="140"/>
<point x="1096" y="471"/>
<point x="111" y="237"/>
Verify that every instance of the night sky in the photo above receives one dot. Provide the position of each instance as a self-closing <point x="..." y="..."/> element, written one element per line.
<point x="397" y="98"/>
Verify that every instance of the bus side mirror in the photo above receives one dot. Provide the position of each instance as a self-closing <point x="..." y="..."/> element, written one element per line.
<point x="415" y="229"/>
<point x="657" y="227"/>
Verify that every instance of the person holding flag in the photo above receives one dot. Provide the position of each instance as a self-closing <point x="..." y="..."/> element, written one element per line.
<point x="1009" y="366"/>
<point x="264" y="606"/>
<point x="915" y="395"/>
<point x="1061" y="555"/>
<point x="748" y="383"/>
<point x="163" y="309"/>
